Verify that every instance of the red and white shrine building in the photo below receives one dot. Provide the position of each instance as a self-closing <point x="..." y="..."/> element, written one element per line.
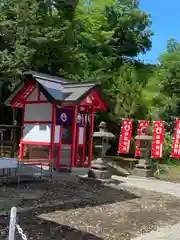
<point x="55" y="116"/>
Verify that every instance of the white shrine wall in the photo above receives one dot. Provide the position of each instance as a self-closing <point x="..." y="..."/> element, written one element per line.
<point x="37" y="119"/>
<point x="42" y="97"/>
<point x="33" y="96"/>
<point x="38" y="112"/>
<point x="40" y="133"/>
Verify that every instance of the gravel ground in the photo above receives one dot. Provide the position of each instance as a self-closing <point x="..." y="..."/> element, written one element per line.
<point x="88" y="210"/>
<point x="164" y="233"/>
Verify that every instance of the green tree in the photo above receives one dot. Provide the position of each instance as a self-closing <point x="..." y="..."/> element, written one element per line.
<point x="115" y="29"/>
<point x="111" y="34"/>
<point x="127" y="90"/>
<point x="169" y="76"/>
<point x="32" y="39"/>
<point x="80" y="41"/>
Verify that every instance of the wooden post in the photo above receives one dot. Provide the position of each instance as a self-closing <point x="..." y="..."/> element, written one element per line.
<point x="76" y="163"/>
<point x="91" y="131"/>
<point x="21" y="150"/>
<point x="1" y="140"/>
<point x="12" y="223"/>
<point x="83" y="157"/>
<point x="74" y="138"/>
<point x="53" y="129"/>
<point x="13" y="133"/>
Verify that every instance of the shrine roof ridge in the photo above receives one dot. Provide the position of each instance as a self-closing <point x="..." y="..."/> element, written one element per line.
<point x="58" y="79"/>
<point x="45" y="76"/>
<point x="59" y="90"/>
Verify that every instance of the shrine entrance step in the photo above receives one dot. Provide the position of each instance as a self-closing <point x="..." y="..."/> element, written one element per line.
<point x="62" y="169"/>
<point x="80" y="171"/>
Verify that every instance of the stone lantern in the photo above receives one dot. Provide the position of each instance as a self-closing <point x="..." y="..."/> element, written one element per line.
<point x="144" y="167"/>
<point x="99" y="168"/>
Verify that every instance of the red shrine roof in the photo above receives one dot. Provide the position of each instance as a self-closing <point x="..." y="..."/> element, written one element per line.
<point x="60" y="91"/>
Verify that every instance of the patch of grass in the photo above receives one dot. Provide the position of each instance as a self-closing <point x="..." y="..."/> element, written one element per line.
<point x="7" y="204"/>
<point x="169" y="172"/>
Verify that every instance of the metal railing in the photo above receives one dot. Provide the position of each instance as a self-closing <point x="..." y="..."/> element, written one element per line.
<point x="14" y="227"/>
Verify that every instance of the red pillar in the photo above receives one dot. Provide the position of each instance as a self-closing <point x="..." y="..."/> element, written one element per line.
<point x="74" y="138"/>
<point x="58" y="163"/>
<point x="91" y="131"/>
<point x="53" y="127"/>
<point x="76" y="163"/>
<point x="21" y="147"/>
<point x="84" y="140"/>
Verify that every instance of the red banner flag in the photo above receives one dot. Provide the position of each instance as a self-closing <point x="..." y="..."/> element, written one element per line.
<point x="176" y="141"/>
<point x="158" y="134"/>
<point x="125" y="137"/>
<point x="142" y="124"/>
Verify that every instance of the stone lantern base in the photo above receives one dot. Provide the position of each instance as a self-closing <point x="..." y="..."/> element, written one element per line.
<point x="143" y="169"/>
<point x="143" y="172"/>
<point x="99" y="174"/>
<point x="99" y="170"/>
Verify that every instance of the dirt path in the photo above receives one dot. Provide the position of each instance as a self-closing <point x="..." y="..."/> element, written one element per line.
<point x="151" y="185"/>
<point x="165" y="233"/>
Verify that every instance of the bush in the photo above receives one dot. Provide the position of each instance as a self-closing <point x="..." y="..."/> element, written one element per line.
<point x="167" y="147"/>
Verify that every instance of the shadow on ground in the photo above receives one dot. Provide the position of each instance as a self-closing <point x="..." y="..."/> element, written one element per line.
<point x="69" y="195"/>
<point x="54" y="196"/>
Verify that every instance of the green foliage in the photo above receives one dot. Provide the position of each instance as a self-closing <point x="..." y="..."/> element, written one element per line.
<point x="82" y="41"/>
<point x="162" y="92"/>
<point x="167" y="146"/>
<point x="163" y="89"/>
<point x="127" y="90"/>
<point x="169" y="172"/>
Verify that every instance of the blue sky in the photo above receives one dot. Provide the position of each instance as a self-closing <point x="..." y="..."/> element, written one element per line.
<point x="165" y="24"/>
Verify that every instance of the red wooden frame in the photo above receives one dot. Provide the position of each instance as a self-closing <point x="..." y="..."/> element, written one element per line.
<point x="99" y="99"/>
<point x="84" y="141"/>
<point x="73" y="146"/>
<point x="23" y="94"/>
<point x="36" y="102"/>
<point x="37" y="122"/>
<point x="91" y="130"/>
<point x="46" y="143"/>
<point x="21" y="150"/>
<point x="75" y="143"/>
<point x="53" y="126"/>
<point x="58" y="160"/>
<point x="21" y="98"/>
<point x="82" y="146"/>
<point x="36" y="143"/>
<point x="96" y="103"/>
<point x="39" y="95"/>
<point x="76" y="163"/>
